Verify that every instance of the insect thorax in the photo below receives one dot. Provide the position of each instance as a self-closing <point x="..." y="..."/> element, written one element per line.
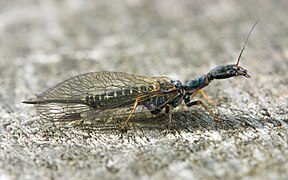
<point x="169" y="93"/>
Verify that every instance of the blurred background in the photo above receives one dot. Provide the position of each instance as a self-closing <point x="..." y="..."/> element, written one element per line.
<point x="45" y="42"/>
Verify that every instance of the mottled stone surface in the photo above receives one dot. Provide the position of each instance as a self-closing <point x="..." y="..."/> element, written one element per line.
<point x="45" y="42"/>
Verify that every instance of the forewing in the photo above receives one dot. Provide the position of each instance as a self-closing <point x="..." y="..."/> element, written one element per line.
<point x="66" y="100"/>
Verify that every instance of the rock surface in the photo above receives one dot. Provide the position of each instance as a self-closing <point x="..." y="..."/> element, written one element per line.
<point x="46" y="42"/>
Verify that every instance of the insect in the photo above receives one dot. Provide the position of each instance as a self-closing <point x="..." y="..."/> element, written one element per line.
<point x="97" y="95"/>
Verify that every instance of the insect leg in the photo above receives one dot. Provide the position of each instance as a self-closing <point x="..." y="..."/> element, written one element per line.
<point x="210" y="101"/>
<point x="198" y="102"/>
<point x="169" y="112"/>
<point x="130" y="115"/>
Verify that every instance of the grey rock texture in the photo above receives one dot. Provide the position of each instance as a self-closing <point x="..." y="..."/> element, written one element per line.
<point x="45" y="42"/>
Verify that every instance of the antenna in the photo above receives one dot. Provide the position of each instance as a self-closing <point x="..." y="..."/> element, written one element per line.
<point x="243" y="47"/>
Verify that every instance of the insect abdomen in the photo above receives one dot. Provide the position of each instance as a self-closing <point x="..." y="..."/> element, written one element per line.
<point x="99" y="100"/>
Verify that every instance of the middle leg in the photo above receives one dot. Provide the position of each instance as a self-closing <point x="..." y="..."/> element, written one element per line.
<point x="168" y="110"/>
<point x="210" y="101"/>
<point x="124" y="125"/>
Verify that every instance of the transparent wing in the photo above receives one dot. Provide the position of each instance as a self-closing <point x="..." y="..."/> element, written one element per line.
<point x="116" y="91"/>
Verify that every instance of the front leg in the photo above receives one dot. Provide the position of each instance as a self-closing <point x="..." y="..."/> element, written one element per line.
<point x="210" y="101"/>
<point x="198" y="102"/>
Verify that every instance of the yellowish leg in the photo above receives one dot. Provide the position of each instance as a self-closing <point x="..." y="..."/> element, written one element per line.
<point x="210" y="101"/>
<point x="198" y="102"/>
<point x="194" y="94"/>
<point x="169" y="117"/>
<point x="130" y="115"/>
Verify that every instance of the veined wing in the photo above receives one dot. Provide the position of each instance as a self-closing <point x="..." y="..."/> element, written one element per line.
<point x="97" y="95"/>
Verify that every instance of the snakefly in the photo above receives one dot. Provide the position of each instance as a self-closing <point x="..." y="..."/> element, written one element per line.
<point x="97" y="95"/>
